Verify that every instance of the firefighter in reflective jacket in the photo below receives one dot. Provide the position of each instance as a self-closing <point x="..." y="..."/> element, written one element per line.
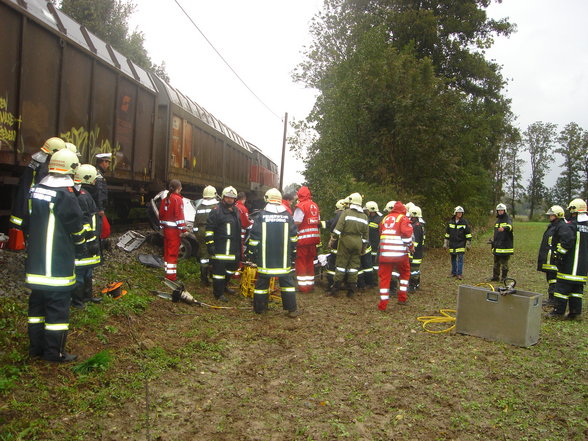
<point x="84" y="177"/>
<point x="332" y="257"/>
<point x="458" y="237"/>
<point x="206" y="205"/>
<point x="395" y="246"/>
<point x="369" y="267"/>
<point x="223" y="239"/>
<point x="571" y="245"/>
<point x="173" y="224"/>
<point x="545" y="261"/>
<point x="307" y="218"/>
<point x="352" y="231"/>
<point x="416" y="257"/>
<point x="272" y="246"/>
<point x="502" y="243"/>
<point x="37" y="169"/>
<point x="56" y="237"/>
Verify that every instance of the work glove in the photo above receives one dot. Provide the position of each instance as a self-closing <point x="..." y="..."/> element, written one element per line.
<point x="469" y="245"/>
<point x="446" y="243"/>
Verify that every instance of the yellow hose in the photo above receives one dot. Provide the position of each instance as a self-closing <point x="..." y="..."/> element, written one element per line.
<point x="486" y="284"/>
<point x="445" y="318"/>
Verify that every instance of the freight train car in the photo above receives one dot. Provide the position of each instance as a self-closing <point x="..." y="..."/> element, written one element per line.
<point x="57" y="78"/>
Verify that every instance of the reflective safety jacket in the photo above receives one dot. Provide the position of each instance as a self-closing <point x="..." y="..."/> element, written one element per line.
<point x="308" y="230"/>
<point x="272" y="242"/>
<point x="34" y="173"/>
<point x="374" y="226"/>
<point x="55" y="227"/>
<point x="223" y="233"/>
<point x="91" y="257"/>
<point x="352" y="228"/>
<point x="171" y="212"/>
<point x="203" y="209"/>
<point x="418" y="234"/>
<point x="503" y="241"/>
<point x="571" y="242"/>
<point x="545" y="261"/>
<point x="458" y="233"/>
<point x="395" y="235"/>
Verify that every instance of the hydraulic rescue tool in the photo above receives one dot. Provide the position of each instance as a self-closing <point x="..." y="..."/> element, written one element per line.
<point x="179" y="293"/>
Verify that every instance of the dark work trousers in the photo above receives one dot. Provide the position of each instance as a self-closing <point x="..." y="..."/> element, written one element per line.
<point x="48" y="323"/>
<point x="222" y="271"/>
<point x="500" y="263"/>
<point x="568" y="291"/>
<point x="261" y="293"/>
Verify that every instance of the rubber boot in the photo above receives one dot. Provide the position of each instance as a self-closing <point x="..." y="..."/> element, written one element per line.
<point x="335" y="289"/>
<point x="228" y="290"/>
<point x="260" y="302"/>
<point x="411" y="285"/>
<point x="36" y="339"/>
<point x="495" y="273"/>
<point x="77" y="296"/>
<point x="204" y="281"/>
<point x="559" y="308"/>
<point x="575" y="308"/>
<point x="289" y="301"/>
<point x="218" y="289"/>
<point x="351" y="288"/>
<point x="55" y="347"/>
<point x="88" y="292"/>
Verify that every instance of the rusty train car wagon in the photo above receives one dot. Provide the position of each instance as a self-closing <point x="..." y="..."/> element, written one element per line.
<point x="57" y="78"/>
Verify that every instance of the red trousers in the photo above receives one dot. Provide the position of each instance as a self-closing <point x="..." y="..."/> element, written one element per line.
<point x="171" y="248"/>
<point x="305" y="256"/>
<point x="385" y="274"/>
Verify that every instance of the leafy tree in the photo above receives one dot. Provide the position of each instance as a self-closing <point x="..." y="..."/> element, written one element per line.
<point x="539" y="141"/>
<point x="584" y="164"/>
<point x="509" y="170"/>
<point x="408" y="108"/>
<point x="571" y="148"/>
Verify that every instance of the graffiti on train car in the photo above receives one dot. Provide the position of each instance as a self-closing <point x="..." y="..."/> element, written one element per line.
<point x="89" y="144"/>
<point x="9" y="123"/>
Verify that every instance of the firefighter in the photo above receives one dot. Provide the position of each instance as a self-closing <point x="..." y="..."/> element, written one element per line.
<point x="307" y="218"/>
<point x="502" y="243"/>
<point x="545" y="261"/>
<point x="395" y="246"/>
<point x="416" y="257"/>
<point x="56" y="237"/>
<point x="369" y="267"/>
<point x="272" y="246"/>
<point x="223" y="239"/>
<point x="32" y="175"/>
<point x="207" y="204"/>
<point x="458" y="237"/>
<point x="570" y="242"/>
<point x="102" y="164"/>
<point x="85" y="176"/>
<point x="173" y="224"/>
<point x="352" y="231"/>
<point x="332" y="257"/>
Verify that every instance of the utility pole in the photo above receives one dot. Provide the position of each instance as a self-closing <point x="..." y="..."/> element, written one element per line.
<point x="283" y="153"/>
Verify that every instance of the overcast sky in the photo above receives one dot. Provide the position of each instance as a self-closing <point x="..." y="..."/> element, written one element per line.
<point x="546" y="61"/>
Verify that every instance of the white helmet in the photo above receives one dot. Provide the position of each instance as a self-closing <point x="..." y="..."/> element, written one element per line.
<point x="64" y="162"/>
<point x="501" y="207"/>
<point x="73" y="148"/>
<point x="53" y="145"/>
<point x="458" y="209"/>
<point x="557" y="211"/>
<point x="577" y="206"/>
<point x="409" y="206"/>
<point x="273" y="196"/>
<point x="355" y="198"/>
<point x="85" y="174"/>
<point x="415" y="211"/>
<point x="209" y="192"/>
<point x="371" y="206"/>
<point x="229" y="192"/>
<point x="341" y="203"/>
<point x="389" y="206"/>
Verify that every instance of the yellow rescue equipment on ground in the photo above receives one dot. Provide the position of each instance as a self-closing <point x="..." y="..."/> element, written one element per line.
<point x="248" y="278"/>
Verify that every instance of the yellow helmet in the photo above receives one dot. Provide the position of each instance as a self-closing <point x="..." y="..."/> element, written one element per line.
<point x="209" y="192"/>
<point x="229" y="192"/>
<point x="389" y="206"/>
<point x="85" y="174"/>
<point x="341" y="203"/>
<point x="371" y="206"/>
<point x="355" y="198"/>
<point x="577" y="206"/>
<point x="64" y="162"/>
<point x="458" y="209"/>
<point x="53" y="145"/>
<point x="556" y="210"/>
<point x="415" y="211"/>
<point x="273" y="196"/>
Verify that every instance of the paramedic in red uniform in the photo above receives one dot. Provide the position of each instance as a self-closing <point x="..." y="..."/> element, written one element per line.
<point x="307" y="218"/>
<point x="173" y="223"/>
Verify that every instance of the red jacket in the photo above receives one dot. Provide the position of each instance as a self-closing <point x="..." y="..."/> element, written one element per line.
<point x="171" y="212"/>
<point x="395" y="235"/>
<point x="308" y="230"/>
<point x="243" y="215"/>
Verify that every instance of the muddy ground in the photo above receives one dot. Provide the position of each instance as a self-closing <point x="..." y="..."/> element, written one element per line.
<point x="342" y="370"/>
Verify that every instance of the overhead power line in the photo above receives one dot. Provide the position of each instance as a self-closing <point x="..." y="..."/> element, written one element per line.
<point x="226" y="62"/>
